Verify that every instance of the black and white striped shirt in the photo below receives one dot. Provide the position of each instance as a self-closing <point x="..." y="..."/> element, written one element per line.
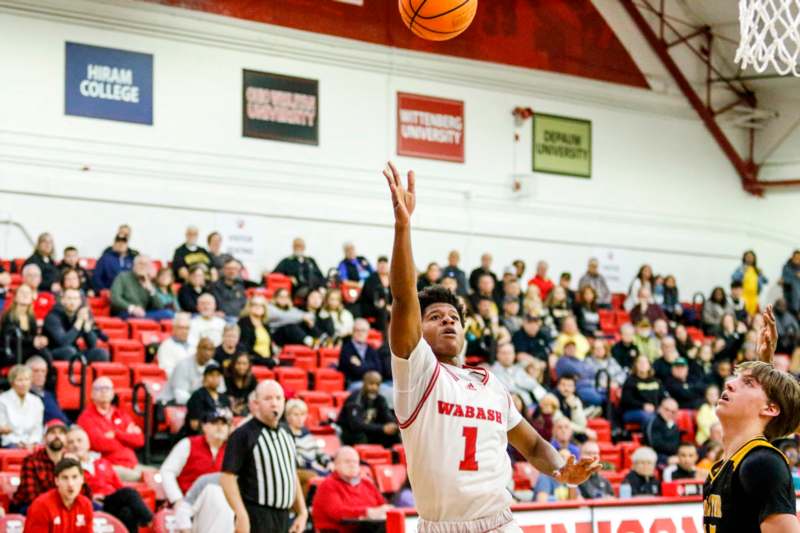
<point x="264" y="459"/>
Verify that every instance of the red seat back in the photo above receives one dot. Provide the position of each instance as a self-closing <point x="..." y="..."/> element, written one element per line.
<point x="164" y="521"/>
<point x="301" y="355"/>
<point x="316" y="398"/>
<point x="261" y="373"/>
<point x="127" y="351"/>
<point x="389" y="478"/>
<point x="327" y="379"/>
<point x="69" y="395"/>
<point x="375" y="338"/>
<point x="107" y="524"/>
<point x="373" y="454"/>
<point x="118" y="373"/>
<point x="292" y="379"/>
<point x="277" y="281"/>
<point x="12" y="523"/>
<point x="115" y="328"/>
<point x="329" y="357"/>
<point x="339" y="397"/>
<point x="138" y="325"/>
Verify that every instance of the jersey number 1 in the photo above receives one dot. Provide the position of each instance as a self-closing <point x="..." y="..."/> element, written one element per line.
<point x="470" y="434"/>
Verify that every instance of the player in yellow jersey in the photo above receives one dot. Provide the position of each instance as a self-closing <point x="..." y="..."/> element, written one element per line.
<point x="750" y="490"/>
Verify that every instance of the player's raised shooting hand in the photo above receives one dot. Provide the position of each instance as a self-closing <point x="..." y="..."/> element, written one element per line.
<point x="767" y="337"/>
<point x="574" y="473"/>
<point x="403" y="198"/>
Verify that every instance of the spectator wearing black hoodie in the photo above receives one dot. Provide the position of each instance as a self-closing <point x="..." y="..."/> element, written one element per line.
<point x="189" y="254"/>
<point x="662" y="433"/>
<point x="69" y="321"/>
<point x="688" y="395"/>
<point x="366" y="418"/>
<point x="641" y="393"/>
<point x="43" y="258"/>
<point x="453" y="271"/>
<point x="70" y="261"/>
<point x="303" y="269"/>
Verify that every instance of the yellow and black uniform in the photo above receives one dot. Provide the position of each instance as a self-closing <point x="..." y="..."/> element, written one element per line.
<point x="742" y="491"/>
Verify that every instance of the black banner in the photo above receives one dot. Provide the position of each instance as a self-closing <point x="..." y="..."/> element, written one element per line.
<point x="282" y="108"/>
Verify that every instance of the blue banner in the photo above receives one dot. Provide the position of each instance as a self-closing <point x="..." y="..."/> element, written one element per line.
<point x="108" y="83"/>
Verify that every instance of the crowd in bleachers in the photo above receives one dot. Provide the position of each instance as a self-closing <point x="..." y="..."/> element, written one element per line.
<point x="631" y="377"/>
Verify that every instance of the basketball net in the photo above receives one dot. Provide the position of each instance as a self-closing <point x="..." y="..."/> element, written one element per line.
<point x="770" y="35"/>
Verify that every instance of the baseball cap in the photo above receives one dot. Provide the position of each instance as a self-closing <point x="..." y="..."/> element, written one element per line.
<point x="54" y="423"/>
<point x="210" y="369"/>
<point x="680" y="361"/>
<point x="221" y="413"/>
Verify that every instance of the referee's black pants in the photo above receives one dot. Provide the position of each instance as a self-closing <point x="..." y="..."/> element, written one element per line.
<point x="267" y="519"/>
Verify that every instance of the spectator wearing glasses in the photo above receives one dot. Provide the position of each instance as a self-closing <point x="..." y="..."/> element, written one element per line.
<point x="112" y="431"/>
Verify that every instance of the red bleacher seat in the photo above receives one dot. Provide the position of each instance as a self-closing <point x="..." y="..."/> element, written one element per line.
<point x="373" y="454"/>
<point x="327" y="379"/>
<point x="627" y="448"/>
<point x="602" y="427"/>
<point x="261" y="373"/>
<point x="12" y="523"/>
<point x="686" y="425"/>
<point x="69" y="396"/>
<point x="366" y="472"/>
<point x="101" y="308"/>
<point x="87" y="262"/>
<point x="118" y="373"/>
<point x="42" y="304"/>
<point x="11" y="459"/>
<point x="611" y="454"/>
<point x="332" y="443"/>
<point x="389" y="478"/>
<point x="137" y="325"/>
<point x="375" y="338"/>
<point x="127" y="351"/>
<point x="153" y="480"/>
<point x="351" y="290"/>
<point x="164" y="521"/>
<point x="301" y="355"/>
<point x="166" y="326"/>
<point x="107" y="524"/>
<point x="176" y="416"/>
<point x="339" y="397"/>
<point x="141" y="372"/>
<point x="525" y="475"/>
<point x="329" y="357"/>
<point x="618" y="299"/>
<point x="292" y="379"/>
<point x="115" y="328"/>
<point x="316" y="398"/>
<point x="277" y="281"/>
<point x="152" y="337"/>
<point x="16" y="281"/>
<point x="401" y="453"/>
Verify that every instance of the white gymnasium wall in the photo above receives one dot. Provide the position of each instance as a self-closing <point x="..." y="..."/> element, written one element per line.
<point x="661" y="190"/>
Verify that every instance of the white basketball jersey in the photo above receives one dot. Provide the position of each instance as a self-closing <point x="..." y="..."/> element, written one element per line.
<point x="454" y="423"/>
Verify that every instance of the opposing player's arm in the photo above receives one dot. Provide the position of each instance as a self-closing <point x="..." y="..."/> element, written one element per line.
<point x="780" y="523"/>
<point x="546" y="459"/>
<point x="767" y="342"/>
<point x="405" y="328"/>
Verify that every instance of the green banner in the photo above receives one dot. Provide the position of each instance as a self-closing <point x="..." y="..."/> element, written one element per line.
<point x="562" y="145"/>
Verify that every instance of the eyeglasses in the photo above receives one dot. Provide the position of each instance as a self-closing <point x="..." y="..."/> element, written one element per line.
<point x="104" y="388"/>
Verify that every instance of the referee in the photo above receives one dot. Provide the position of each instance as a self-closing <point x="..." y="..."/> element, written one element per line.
<point x="259" y="472"/>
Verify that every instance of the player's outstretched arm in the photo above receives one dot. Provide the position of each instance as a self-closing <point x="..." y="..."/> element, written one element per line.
<point x="546" y="459"/>
<point x="780" y="523"/>
<point x="405" y="327"/>
<point x="767" y="337"/>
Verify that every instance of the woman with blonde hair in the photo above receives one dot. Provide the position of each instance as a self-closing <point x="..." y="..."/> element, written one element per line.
<point x="333" y="308"/>
<point x="19" y="333"/>
<point x="43" y="256"/>
<point x="21" y="412"/>
<point x="255" y="336"/>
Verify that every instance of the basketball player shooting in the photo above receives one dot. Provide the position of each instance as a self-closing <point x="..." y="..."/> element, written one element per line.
<point x="455" y="422"/>
<point x="750" y="489"/>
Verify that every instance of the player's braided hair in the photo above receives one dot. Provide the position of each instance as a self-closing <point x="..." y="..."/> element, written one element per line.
<point x="437" y="294"/>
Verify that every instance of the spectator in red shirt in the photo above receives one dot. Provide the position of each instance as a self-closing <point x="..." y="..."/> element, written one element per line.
<point x="346" y="495"/>
<point x="37" y="474"/>
<point x="541" y="280"/>
<point x="118" y="500"/>
<point x="62" y="509"/>
<point x="112" y="432"/>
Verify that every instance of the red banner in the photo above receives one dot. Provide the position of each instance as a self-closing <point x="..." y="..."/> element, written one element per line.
<point x="430" y="127"/>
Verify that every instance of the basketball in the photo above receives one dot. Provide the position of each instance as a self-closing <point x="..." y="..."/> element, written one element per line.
<point x="437" y="20"/>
